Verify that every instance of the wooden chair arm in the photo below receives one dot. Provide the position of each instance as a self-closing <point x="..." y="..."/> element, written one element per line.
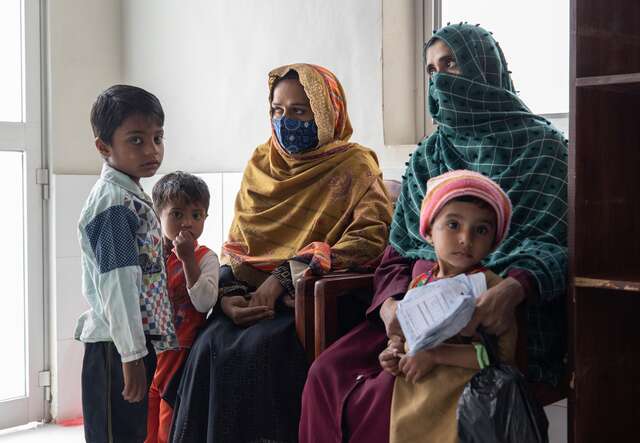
<point x="304" y="308"/>
<point x="304" y="314"/>
<point x="327" y="291"/>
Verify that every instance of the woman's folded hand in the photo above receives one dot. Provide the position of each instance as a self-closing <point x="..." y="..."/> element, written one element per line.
<point x="267" y="294"/>
<point x="237" y="308"/>
<point x="495" y="308"/>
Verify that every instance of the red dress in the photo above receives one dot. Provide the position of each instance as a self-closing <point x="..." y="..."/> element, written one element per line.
<point x="187" y="321"/>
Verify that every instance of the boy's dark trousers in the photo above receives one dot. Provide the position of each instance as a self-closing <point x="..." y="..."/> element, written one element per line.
<point x="109" y="418"/>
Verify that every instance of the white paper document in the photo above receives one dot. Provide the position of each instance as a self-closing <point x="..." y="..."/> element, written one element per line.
<point x="435" y="312"/>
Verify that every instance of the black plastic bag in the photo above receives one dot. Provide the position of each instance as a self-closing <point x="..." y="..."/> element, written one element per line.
<point x="497" y="407"/>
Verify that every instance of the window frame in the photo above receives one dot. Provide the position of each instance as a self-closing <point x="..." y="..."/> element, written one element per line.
<point x="27" y="136"/>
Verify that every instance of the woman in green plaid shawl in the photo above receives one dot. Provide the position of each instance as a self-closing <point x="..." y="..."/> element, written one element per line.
<point x="484" y="126"/>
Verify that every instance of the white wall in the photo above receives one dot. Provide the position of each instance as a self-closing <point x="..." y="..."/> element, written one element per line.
<point x="66" y="300"/>
<point x="84" y="57"/>
<point x="208" y="62"/>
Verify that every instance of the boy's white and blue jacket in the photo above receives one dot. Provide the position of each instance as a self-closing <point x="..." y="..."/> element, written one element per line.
<point x="123" y="274"/>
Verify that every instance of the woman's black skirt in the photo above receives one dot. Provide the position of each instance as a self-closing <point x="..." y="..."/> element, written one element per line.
<point x="241" y="384"/>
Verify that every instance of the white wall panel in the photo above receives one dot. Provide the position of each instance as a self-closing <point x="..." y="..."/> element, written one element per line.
<point x="208" y="62"/>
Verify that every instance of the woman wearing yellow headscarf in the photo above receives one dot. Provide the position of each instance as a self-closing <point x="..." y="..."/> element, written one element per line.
<point x="310" y="201"/>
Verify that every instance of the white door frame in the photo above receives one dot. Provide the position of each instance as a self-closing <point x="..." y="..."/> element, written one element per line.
<point x="27" y="137"/>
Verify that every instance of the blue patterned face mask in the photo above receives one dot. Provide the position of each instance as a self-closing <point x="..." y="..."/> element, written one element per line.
<point x="295" y="136"/>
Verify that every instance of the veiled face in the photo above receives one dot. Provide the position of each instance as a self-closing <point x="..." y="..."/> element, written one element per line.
<point x="440" y="58"/>
<point x="289" y="100"/>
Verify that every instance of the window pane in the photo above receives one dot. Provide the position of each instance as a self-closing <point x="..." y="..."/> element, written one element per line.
<point x="535" y="39"/>
<point x="11" y="56"/>
<point x="12" y="302"/>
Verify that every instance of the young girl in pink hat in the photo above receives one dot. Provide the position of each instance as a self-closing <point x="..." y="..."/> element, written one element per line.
<point x="465" y="216"/>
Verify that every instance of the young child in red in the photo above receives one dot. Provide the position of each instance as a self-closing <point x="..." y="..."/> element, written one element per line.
<point x="181" y="201"/>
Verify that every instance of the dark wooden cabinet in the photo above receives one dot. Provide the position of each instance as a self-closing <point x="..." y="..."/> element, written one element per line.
<point x="604" y="220"/>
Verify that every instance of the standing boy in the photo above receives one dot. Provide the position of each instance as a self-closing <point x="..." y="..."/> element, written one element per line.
<point x="123" y="279"/>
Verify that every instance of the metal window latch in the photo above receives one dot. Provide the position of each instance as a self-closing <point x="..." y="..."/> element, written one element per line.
<point x="42" y="178"/>
<point x="44" y="381"/>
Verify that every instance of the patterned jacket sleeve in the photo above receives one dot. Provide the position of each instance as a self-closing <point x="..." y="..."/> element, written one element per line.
<point x="112" y="237"/>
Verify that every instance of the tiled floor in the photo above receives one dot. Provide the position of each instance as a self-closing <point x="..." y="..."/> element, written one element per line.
<point x="51" y="433"/>
<point x="48" y="433"/>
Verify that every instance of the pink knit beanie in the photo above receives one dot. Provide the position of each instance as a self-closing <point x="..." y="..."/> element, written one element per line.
<point x="444" y="188"/>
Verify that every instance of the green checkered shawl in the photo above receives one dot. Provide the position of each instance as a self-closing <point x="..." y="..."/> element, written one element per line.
<point x="483" y="126"/>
